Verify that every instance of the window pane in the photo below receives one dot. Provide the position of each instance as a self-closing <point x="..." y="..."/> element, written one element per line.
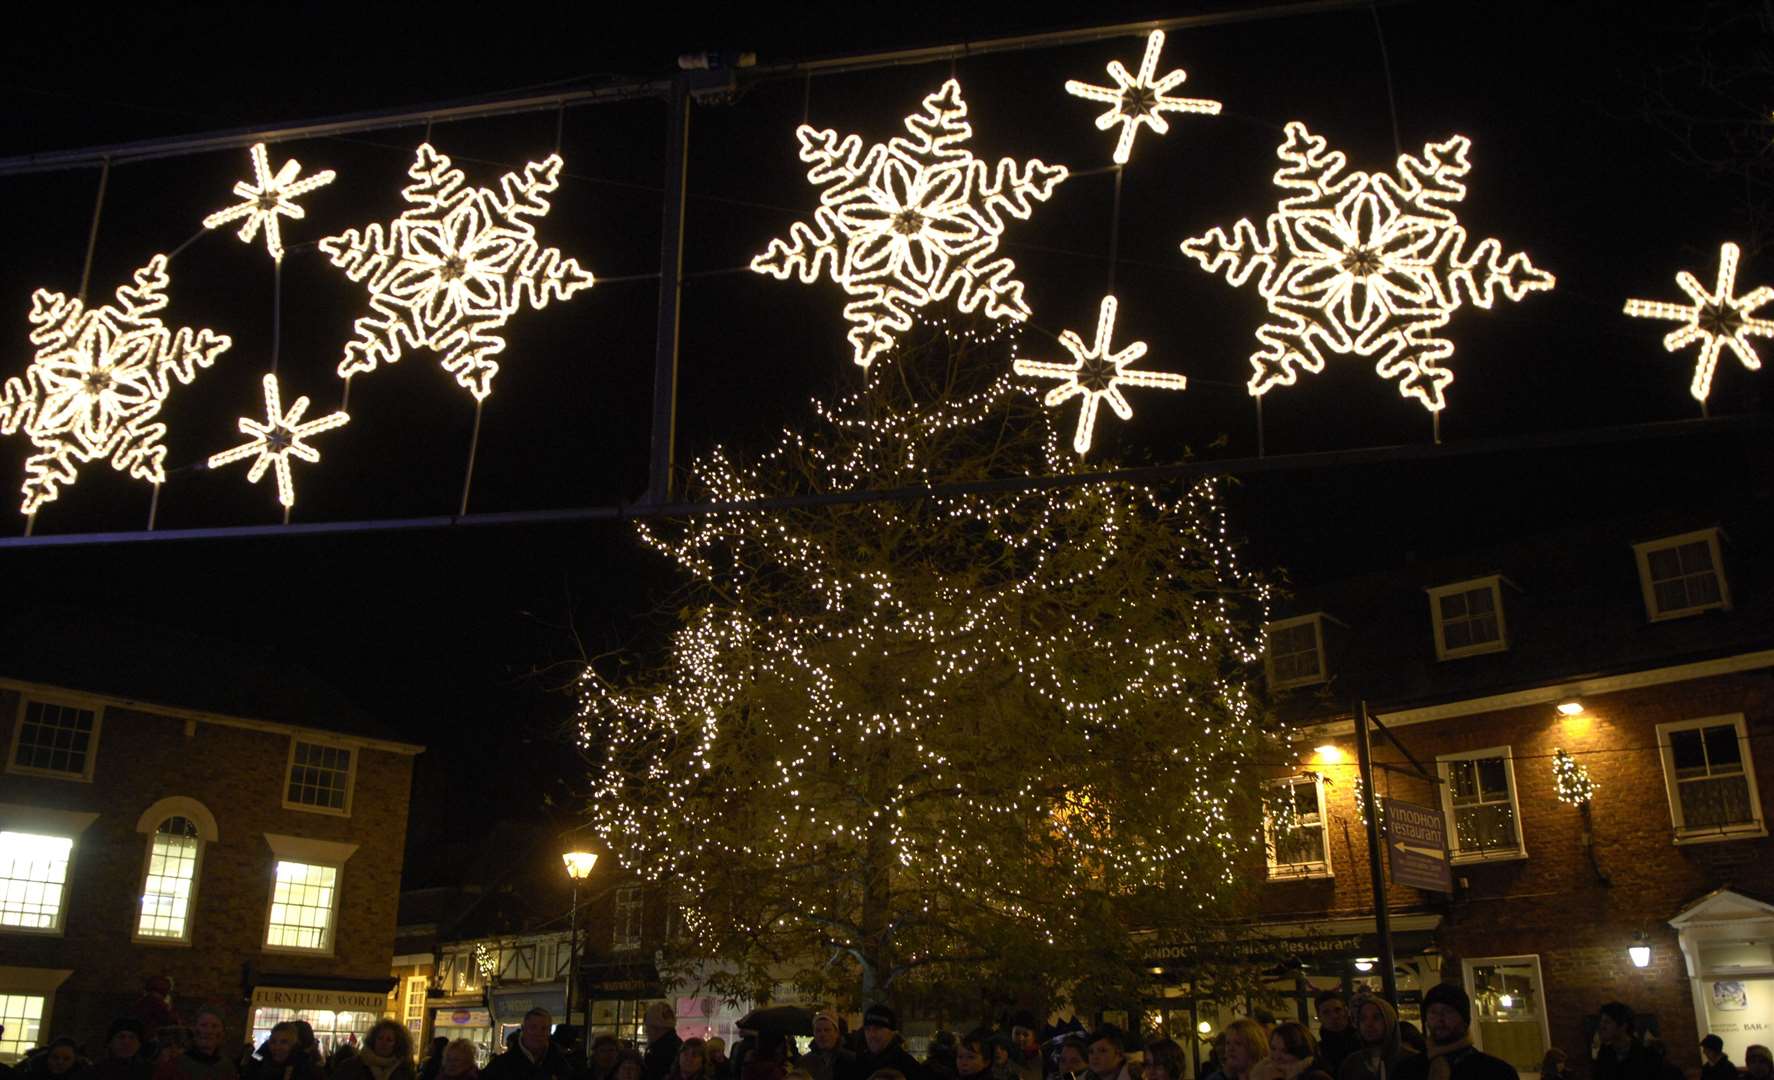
<point x="1703" y="589"/>
<point x="55" y="738"/>
<point x="1715" y="802"/>
<point x="1689" y="752"/>
<point x="1484" y="827"/>
<point x="1462" y="780"/>
<point x="1664" y="564"/>
<point x="172" y="869"/>
<point x="1493" y="778"/>
<point x="22" y="1017"/>
<point x="1479" y="601"/>
<point x="1507" y="1009"/>
<point x="1305" y="798"/>
<point x="1301" y="845"/>
<point x="302" y="906"/>
<point x="1457" y="635"/>
<point x="33" y="871"/>
<point x="1723" y="751"/>
<point x="319" y="776"/>
<point x="1483" y="629"/>
<point x="1695" y="557"/>
<point x="1453" y="606"/>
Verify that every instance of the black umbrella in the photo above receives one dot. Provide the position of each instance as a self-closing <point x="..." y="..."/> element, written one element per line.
<point x="781" y="1019"/>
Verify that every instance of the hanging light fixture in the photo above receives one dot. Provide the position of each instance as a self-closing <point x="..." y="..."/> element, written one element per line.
<point x="1640" y="950"/>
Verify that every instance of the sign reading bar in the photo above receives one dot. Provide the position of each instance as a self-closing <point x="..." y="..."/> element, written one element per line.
<point x="1417" y="846"/>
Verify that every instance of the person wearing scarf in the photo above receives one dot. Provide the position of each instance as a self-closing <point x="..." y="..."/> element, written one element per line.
<point x="1377" y="1024"/>
<point x="1447" y="1015"/>
<point x="386" y="1054"/>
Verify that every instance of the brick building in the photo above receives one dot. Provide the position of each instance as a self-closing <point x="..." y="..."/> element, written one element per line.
<point x="173" y="807"/>
<point x="1642" y="648"/>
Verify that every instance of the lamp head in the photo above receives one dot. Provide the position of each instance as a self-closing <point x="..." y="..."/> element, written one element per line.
<point x="579" y="863"/>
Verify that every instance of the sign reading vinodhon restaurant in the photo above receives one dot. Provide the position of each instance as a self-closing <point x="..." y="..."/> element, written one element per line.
<point x="1417" y="846"/>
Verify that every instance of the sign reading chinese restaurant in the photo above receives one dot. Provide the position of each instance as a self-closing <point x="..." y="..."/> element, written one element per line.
<point x="1417" y="846"/>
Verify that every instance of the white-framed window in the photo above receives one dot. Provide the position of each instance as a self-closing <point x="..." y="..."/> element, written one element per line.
<point x="1296" y="652"/>
<point x="1478" y="795"/>
<point x="175" y="829"/>
<point x="23" y="1016"/>
<point x="54" y="738"/>
<point x="415" y="1004"/>
<point x="630" y="907"/>
<point x="302" y="914"/>
<point x="1711" y="779"/>
<point x="1294" y="828"/>
<point x="319" y="777"/>
<point x="1682" y="575"/>
<point x="1508" y="1009"/>
<point x="1468" y="618"/>
<point x="34" y="880"/>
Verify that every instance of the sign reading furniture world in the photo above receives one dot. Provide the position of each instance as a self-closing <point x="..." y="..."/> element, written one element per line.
<point x="1417" y="846"/>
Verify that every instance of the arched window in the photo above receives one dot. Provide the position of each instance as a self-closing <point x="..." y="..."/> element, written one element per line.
<point x="176" y="829"/>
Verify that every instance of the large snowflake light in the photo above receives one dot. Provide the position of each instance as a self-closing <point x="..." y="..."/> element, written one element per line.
<point x="449" y="272"/>
<point x="267" y="196"/>
<point x="277" y="439"/>
<point x="1097" y="374"/>
<point x="910" y="221"/>
<point x="1716" y="319"/>
<point x="96" y="386"/>
<point x="1140" y="99"/>
<point x="1364" y="264"/>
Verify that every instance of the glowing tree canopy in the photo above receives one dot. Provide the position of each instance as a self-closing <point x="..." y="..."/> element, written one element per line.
<point x="910" y="221"/>
<point x="96" y="386"/>
<point x="934" y="745"/>
<point x="1717" y="320"/>
<point x="1140" y="99"/>
<point x="448" y="273"/>
<point x="265" y="197"/>
<point x="1364" y="264"/>
<point x="1097" y="374"/>
<point x="278" y="438"/>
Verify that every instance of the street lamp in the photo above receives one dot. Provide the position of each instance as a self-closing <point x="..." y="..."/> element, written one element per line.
<point x="579" y="864"/>
<point x="1640" y="950"/>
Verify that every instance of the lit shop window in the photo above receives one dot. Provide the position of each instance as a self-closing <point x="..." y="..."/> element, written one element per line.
<point x="1508" y="1009"/>
<point x="1293" y="828"/>
<point x="304" y="901"/>
<point x="33" y="879"/>
<point x="1711" y="780"/>
<point x="170" y="885"/>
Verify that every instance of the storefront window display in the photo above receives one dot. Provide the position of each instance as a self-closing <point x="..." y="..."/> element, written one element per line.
<point x="475" y="1025"/>
<point x="331" y="1029"/>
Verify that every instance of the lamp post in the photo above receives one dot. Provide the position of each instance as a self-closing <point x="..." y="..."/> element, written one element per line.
<point x="579" y="864"/>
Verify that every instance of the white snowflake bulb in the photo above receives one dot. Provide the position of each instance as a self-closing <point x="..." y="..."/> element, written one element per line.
<point x="1097" y="374"/>
<point x="1140" y="99"/>
<point x="1364" y="264"/>
<point x="1716" y="319"/>
<point x="277" y="439"/>
<point x="448" y="273"/>
<point x="265" y="197"/>
<point x="95" y="388"/>
<point x="910" y="221"/>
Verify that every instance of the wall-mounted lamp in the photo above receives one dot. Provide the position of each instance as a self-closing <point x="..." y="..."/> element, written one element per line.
<point x="1364" y="964"/>
<point x="1640" y="950"/>
<point x="1330" y="755"/>
<point x="1572" y="707"/>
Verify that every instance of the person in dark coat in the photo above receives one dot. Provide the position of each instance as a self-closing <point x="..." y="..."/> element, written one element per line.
<point x="828" y="1059"/>
<point x="1293" y="1055"/>
<point x="661" y="1025"/>
<point x="1376" y="1023"/>
<point x="386" y="1054"/>
<point x="532" y="1054"/>
<point x="1447" y="1014"/>
<point x="432" y="1066"/>
<point x="61" y="1061"/>
<point x="606" y="1054"/>
<point x="1758" y="1062"/>
<point x="1337" y="1037"/>
<point x="1623" y="1055"/>
<point x="1714" y="1065"/>
<point x="882" y="1048"/>
<point x="282" y="1058"/>
<point x="1025" y="1046"/>
<point x="124" y="1058"/>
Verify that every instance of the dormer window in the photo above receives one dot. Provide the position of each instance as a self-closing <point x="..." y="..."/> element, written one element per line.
<point x="1468" y="618"/>
<point x="1682" y="575"/>
<point x="1296" y="652"/>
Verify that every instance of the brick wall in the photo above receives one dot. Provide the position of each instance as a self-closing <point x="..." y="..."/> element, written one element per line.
<point x="238" y="774"/>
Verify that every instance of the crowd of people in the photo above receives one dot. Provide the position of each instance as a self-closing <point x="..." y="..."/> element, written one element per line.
<point x="1361" y="1038"/>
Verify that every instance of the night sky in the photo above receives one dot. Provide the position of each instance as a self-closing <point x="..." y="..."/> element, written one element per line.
<point x="440" y="632"/>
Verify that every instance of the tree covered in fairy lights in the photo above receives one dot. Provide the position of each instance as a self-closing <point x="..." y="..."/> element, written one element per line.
<point x="937" y="747"/>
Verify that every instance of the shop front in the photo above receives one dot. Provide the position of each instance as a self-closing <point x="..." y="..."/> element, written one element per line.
<point x="341" y="1012"/>
<point x="471" y="1022"/>
<point x="507" y="1006"/>
<point x="1727" y="942"/>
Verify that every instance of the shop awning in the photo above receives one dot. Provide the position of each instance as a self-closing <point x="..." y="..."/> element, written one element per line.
<point x="621" y="982"/>
<point x="510" y="1004"/>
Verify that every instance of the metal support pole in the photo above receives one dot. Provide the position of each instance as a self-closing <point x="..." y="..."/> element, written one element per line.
<point x="663" y="460"/>
<point x="578" y="1053"/>
<point x="1364" y="757"/>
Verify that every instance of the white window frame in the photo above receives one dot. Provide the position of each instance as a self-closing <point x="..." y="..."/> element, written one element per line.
<point x="34" y="982"/>
<point x="18" y="732"/>
<point x="1709" y="834"/>
<point x="1457" y="856"/>
<point x="72" y="824"/>
<point x="1318" y="643"/>
<point x="1307" y="870"/>
<point x="300" y="849"/>
<point x="148" y="825"/>
<point x="1492" y="581"/>
<point x="350" y="774"/>
<point x="1641" y="553"/>
<point x="1466" y="966"/>
<point x="620" y="941"/>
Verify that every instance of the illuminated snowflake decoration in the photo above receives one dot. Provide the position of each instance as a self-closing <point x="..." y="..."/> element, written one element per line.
<point x="278" y="438"/>
<point x="1716" y="319"/>
<point x="1140" y="99"/>
<point x="98" y="381"/>
<point x="1097" y="374"/>
<point x="267" y="197"/>
<point x="910" y="221"/>
<point x="1364" y="264"/>
<point x="447" y="274"/>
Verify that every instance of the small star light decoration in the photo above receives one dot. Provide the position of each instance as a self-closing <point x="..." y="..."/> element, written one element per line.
<point x="1716" y="319"/>
<point x="96" y="386"/>
<point x="278" y="438"/>
<point x="449" y="272"/>
<point x="910" y="221"/>
<point x="266" y="197"/>
<point x="1140" y="99"/>
<point x="1097" y="374"/>
<point x="1364" y="264"/>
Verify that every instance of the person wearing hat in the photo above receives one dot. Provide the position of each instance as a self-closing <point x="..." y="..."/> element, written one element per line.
<point x="1447" y="1016"/>
<point x="1025" y="1046"/>
<point x="1714" y="1065"/>
<point x="1376" y="1023"/>
<point x="123" y="1052"/>
<point x="828" y="1059"/>
<point x="882" y="1048"/>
